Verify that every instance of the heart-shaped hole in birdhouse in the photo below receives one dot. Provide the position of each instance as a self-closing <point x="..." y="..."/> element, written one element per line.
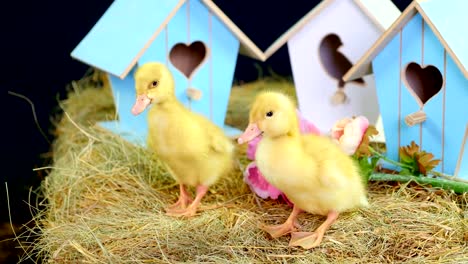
<point x="187" y="58"/>
<point x="423" y="83"/>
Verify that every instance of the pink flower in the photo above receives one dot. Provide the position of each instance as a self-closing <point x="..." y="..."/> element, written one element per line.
<point x="349" y="132"/>
<point x="254" y="178"/>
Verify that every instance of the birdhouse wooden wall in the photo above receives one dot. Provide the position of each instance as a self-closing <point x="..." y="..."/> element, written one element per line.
<point x="132" y="128"/>
<point x="201" y="53"/>
<point x="317" y="71"/>
<point x="423" y="96"/>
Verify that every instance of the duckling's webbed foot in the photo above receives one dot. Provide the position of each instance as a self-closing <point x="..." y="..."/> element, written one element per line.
<point x="179" y="212"/>
<point x="310" y="240"/>
<point x="191" y="210"/>
<point x="289" y="226"/>
<point x="184" y="199"/>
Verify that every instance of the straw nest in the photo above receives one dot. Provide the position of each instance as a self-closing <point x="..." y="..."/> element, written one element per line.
<point x="104" y="199"/>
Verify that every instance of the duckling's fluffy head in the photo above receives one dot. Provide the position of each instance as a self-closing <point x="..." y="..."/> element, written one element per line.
<point x="155" y="80"/>
<point x="274" y="114"/>
<point x="154" y="83"/>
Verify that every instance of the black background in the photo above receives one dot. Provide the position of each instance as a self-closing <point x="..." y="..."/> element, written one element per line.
<point x="37" y="38"/>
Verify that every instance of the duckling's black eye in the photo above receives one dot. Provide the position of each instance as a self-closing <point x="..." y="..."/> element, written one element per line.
<point x="154" y="84"/>
<point x="269" y="114"/>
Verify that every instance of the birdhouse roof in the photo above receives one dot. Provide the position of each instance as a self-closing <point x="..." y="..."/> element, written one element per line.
<point x="132" y="26"/>
<point x="449" y="22"/>
<point x="382" y="13"/>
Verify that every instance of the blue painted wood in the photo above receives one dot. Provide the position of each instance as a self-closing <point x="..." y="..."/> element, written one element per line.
<point x="123" y="92"/>
<point x="132" y="134"/>
<point x="177" y="32"/>
<point x="451" y="20"/>
<point x="157" y="50"/>
<point x="411" y="52"/>
<point x="219" y="66"/>
<point x="231" y="131"/>
<point x="432" y="127"/>
<point x="456" y="117"/>
<point x="132" y="128"/>
<point x="225" y="47"/>
<point x="121" y="33"/>
<point x="463" y="171"/>
<point x="386" y="67"/>
<point x="200" y="30"/>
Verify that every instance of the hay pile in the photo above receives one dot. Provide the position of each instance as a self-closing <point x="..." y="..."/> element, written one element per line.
<point x="104" y="203"/>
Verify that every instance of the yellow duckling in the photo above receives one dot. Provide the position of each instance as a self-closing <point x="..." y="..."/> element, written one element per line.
<point x="196" y="151"/>
<point x="313" y="172"/>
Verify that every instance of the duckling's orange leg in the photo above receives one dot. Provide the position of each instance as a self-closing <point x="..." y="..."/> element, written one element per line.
<point x="184" y="199"/>
<point x="288" y="226"/>
<point x="310" y="240"/>
<point x="191" y="210"/>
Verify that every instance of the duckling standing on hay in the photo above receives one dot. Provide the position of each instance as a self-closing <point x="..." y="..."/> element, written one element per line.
<point x="196" y="151"/>
<point x="311" y="170"/>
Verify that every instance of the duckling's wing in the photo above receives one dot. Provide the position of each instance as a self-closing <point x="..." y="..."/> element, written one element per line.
<point x="219" y="142"/>
<point x="330" y="161"/>
<point x="316" y="146"/>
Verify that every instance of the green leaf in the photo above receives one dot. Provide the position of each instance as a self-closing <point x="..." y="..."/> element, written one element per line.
<point x="457" y="187"/>
<point x="405" y="172"/>
<point x="374" y="161"/>
<point x="416" y="161"/>
<point x="406" y="159"/>
<point x="367" y="167"/>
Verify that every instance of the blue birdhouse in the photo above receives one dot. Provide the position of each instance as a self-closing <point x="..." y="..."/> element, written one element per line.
<point x="420" y="67"/>
<point x="195" y="39"/>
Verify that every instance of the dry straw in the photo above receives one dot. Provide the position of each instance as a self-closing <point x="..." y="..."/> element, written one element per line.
<point x="104" y="199"/>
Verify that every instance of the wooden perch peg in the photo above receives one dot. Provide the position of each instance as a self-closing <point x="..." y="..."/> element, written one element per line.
<point x="415" y="118"/>
<point x="339" y="97"/>
<point x="194" y="94"/>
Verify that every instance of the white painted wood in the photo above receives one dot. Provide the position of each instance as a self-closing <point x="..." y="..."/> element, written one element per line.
<point x="314" y="86"/>
<point x="383" y="12"/>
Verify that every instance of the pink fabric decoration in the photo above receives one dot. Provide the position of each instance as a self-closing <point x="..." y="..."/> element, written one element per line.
<point x="305" y="126"/>
<point x="349" y="132"/>
<point x="254" y="178"/>
<point x="258" y="184"/>
<point x="252" y="147"/>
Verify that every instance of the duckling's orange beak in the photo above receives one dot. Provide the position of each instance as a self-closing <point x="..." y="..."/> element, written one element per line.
<point x="141" y="103"/>
<point x="252" y="131"/>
